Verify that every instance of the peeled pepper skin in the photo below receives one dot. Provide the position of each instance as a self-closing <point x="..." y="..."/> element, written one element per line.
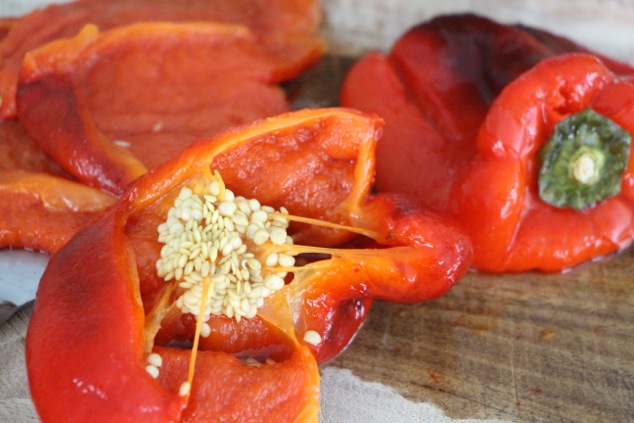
<point x="95" y="293"/>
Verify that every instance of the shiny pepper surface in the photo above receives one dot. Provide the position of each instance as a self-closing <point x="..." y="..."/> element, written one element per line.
<point x="512" y="227"/>
<point x="443" y="87"/>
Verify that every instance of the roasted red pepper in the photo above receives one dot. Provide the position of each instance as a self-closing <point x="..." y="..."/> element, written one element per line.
<point x="89" y="94"/>
<point x="42" y="212"/>
<point x="512" y="225"/>
<point x="126" y="302"/>
<point x="40" y="207"/>
<point x="434" y="89"/>
<point x="448" y="85"/>
<point x="284" y="27"/>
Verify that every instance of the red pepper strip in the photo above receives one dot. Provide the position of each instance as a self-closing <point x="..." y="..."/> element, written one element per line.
<point x="156" y="87"/>
<point x="40" y="209"/>
<point x="42" y="212"/>
<point x="285" y="27"/>
<point x="497" y="200"/>
<point x="97" y="301"/>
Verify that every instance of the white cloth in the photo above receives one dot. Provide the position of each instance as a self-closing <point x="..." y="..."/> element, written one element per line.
<point x="344" y="397"/>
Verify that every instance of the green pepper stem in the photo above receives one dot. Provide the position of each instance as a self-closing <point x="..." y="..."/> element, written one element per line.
<point x="582" y="163"/>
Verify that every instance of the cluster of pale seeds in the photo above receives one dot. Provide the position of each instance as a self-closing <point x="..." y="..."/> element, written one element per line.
<point x="222" y="251"/>
<point x="222" y="237"/>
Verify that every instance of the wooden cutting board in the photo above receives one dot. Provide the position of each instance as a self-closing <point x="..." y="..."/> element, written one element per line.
<point x="527" y="347"/>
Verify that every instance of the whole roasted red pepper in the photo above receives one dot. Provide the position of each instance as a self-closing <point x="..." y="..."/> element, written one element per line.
<point x="525" y="210"/>
<point x="122" y="306"/>
<point x="434" y="89"/>
<point x="439" y="90"/>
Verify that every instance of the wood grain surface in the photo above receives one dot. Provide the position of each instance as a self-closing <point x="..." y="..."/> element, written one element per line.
<point x="526" y="348"/>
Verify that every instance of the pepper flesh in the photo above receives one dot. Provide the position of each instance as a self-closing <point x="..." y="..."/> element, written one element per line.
<point x="42" y="212"/>
<point x="279" y="24"/>
<point x="96" y="294"/>
<point x="40" y="207"/>
<point x="88" y="94"/>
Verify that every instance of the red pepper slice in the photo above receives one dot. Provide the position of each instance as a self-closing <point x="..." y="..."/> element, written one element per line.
<point x="90" y="95"/>
<point x="283" y="26"/>
<point x="101" y="299"/>
<point x="511" y="227"/>
<point x="42" y="212"/>
<point x="40" y="208"/>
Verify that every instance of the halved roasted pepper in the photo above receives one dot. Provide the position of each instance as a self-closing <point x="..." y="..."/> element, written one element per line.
<point x="214" y="286"/>
<point x="552" y="184"/>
